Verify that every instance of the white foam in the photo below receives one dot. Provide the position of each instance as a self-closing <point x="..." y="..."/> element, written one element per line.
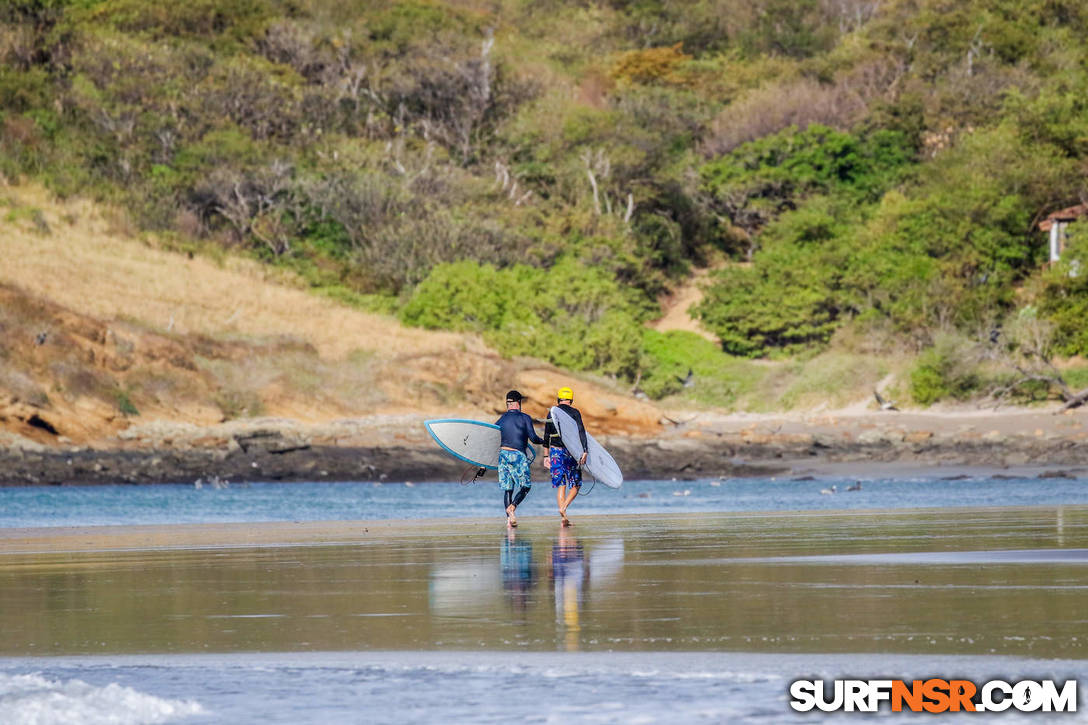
<point x="35" y="700"/>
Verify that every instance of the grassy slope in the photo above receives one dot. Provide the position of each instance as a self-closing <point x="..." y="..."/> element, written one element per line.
<point x="133" y="328"/>
<point x="135" y="333"/>
<point x="87" y="261"/>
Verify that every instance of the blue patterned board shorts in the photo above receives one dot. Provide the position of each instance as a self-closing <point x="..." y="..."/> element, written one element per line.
<point x="565" y="470"/>
<point x="513" y="470"/>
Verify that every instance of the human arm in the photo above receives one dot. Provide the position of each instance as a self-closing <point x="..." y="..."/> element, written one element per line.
<point x="581" y="429"/>
<point x="574" y="413"/>
<point x="531" y="431"/>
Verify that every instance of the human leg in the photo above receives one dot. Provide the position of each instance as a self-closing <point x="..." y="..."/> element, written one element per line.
<point x="555" y="467"/>
<point x="572" y="492"/>
<point x="506" y="482"/>
<point x="566" y="477"/>
<point x="513" y="500"/>
<point x="568" y="497"/>
<point x="513" y="474"/>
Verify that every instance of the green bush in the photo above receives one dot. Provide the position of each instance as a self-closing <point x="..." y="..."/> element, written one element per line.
<point x="949" y="369"/>
<point x="571" y="314"/>
<point x="125" y="405"/>
<point x="717" y="378"/>
<point x="464" y="296"/>
<point x="784" y="302"/>
<point x="778" y="168"/>
<point x="1076" y="377"/>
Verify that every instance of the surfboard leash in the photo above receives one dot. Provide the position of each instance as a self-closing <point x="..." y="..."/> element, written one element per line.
<point x="476" y="474"/>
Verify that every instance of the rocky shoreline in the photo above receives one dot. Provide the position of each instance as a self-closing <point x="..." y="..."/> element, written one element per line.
<point x="398" y="450"/>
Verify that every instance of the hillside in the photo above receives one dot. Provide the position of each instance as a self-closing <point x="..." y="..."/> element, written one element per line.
<point x="125" y="361"/>
<point x="529" y="180"/>
<point x="104" y="332"/>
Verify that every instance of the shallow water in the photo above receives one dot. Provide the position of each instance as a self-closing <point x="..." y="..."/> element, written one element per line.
<point x="167" y="504"/>
<point x="404" y="688"/>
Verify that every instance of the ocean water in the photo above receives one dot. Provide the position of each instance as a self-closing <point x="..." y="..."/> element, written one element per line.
<point x="322" y="501"/>
<point x="397" y="688"/>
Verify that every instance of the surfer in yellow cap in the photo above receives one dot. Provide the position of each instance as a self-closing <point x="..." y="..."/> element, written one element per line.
<point x="565" y="470"/>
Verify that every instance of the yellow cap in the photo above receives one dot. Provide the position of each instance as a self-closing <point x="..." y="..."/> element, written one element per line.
<point x="565" y="394"/>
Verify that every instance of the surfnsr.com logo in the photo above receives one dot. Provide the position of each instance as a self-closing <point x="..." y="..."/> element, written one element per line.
<point x="934" y="695"/>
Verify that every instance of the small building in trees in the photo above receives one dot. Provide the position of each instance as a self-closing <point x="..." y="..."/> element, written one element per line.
<point x="1056" y="224"/>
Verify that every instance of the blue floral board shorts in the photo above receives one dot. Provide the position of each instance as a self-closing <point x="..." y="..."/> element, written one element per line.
<point x="513" y="470"/>
<point x="565" y="470"/>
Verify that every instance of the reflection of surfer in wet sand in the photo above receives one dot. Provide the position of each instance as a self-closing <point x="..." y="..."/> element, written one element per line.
<point x="569" y="570"/>
<point x="516" y="560"/>
<point x="566" y="471"/>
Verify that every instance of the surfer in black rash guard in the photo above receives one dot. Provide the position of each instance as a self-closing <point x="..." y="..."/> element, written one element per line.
<point x="566" y="472"/>
<point x="516" y="430"/>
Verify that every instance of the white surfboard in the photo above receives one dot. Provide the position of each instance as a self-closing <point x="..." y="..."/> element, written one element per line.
<point x="599" y="462"/>
<point x="473" y="441"/>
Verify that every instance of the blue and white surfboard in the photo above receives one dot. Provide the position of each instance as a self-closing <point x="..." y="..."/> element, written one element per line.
<point x="472" y="441"/>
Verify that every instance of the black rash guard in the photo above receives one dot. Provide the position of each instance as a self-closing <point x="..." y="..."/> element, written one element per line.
<point x="551" y="435"/>
<point x="517" y="430"/>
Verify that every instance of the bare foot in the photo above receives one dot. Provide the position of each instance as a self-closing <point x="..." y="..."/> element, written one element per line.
<point x="511" y="518"/>
<point x="566" y="522"/>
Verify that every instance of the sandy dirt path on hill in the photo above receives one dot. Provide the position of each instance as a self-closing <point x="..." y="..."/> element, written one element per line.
<point x="678" y="306"/>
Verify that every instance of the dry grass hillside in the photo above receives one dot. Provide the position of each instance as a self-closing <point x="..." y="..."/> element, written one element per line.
<point x="102" y="331"/>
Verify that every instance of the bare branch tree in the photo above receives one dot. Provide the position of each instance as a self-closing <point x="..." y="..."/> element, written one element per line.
<point x="597" y="165"/>
<point x="973" y="52"/>
<point x="252" y="204"/>
<point x="1029" y="353"/>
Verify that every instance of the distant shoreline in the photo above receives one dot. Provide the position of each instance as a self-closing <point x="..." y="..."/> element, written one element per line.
<point x="1031" y="443"/>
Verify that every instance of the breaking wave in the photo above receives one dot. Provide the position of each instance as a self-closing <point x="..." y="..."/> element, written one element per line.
<point x="36" y="700"/>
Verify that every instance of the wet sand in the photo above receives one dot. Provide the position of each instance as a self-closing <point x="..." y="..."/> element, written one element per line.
<point x="88" y="539"/>
<point x="994" y="581"/>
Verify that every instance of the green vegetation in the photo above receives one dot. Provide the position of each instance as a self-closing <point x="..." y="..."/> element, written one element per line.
<point x="946" y="370"/>
<point x="541" y="172"/>
<point x="125" y="405"/>
<point x="718" y="379"/>
<point x="1063" y="297"/>
<point x="571" y="313"/>
<point x="1077" y="377"/>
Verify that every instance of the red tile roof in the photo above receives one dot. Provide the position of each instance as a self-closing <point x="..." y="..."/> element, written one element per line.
<point x="1064" y="215"/>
